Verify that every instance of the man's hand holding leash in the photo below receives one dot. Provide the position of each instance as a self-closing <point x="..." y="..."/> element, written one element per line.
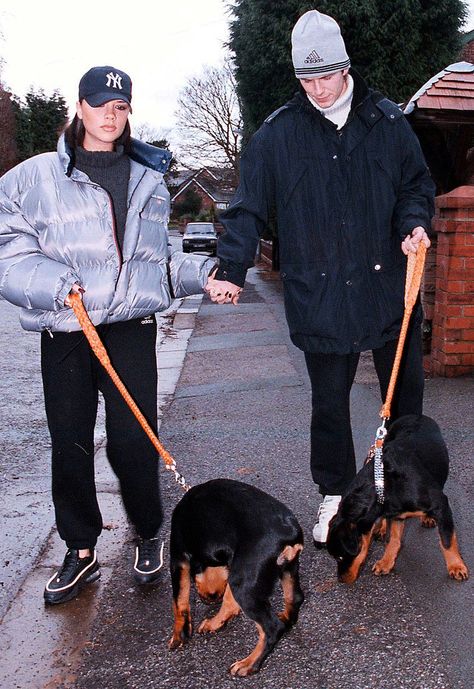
<point x="411" y="241"/>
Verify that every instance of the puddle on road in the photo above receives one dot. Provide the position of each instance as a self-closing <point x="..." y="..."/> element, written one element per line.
<point x="41" y="645"/>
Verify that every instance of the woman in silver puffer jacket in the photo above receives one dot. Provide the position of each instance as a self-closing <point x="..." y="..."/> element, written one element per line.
<point x="92" y="219"/>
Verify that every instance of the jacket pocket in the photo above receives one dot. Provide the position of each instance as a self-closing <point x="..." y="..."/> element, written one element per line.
<point x="313" y="301"/>
<point x="388" y="272"/>
<point x="156" y="209"/>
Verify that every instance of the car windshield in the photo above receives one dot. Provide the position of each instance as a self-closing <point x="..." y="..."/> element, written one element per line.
<point x="200" y="229"/>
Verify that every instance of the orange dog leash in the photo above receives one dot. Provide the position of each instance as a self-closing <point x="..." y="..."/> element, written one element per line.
<point x="99" y="350"/>
<point x="415" y="266"/>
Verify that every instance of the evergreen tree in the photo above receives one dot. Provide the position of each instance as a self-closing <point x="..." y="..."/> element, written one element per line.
<point x="260" y="40"/>
<point x="189" y="206"/>
<point x="40" y="122"/>
<point x="23" y="133"/>
<point x="8" y="149"/>
<point x="396" y="45"/>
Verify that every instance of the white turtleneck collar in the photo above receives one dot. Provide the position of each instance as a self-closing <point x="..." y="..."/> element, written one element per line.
<point x="339" y="111"/>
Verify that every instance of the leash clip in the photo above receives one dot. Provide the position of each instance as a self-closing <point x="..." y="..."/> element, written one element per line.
<point x="381" y="431"/>
<point x="379" y="479"/>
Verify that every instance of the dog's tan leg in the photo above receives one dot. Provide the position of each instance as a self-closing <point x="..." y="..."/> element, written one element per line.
<point x="289" y="553"/>
<point x="454" y="562"/>
<point x="353" y="572"/>
<point x="182" y="612"/>
<point x="229" y="609"/>
<point x="246" y="666"/>
<point x="288" y="586"/>
<point x="388" y="559"/>
<point x="289" y="579"/>
<point x="380" y="529"/>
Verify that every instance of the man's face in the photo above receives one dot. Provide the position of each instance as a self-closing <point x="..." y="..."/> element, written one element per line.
<point x="326" y="90"/>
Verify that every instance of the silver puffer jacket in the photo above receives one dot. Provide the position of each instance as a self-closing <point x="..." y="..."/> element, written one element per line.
<point x="57" y="230"/>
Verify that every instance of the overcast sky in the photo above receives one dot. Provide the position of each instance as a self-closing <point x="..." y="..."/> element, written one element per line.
<point x="160" y="43"/>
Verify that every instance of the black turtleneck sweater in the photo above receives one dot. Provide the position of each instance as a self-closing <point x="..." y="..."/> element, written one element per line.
<point x="111" y="170"/>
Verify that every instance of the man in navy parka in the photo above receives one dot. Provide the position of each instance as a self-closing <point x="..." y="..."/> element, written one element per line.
<point x="345" y="175"/>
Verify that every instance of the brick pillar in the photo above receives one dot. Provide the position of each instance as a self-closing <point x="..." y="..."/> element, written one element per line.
<point x="452" y="343"/>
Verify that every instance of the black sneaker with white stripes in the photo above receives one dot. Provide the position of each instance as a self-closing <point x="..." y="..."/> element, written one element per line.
<point x="148" y="560"/>
<point x="75" y="573"/>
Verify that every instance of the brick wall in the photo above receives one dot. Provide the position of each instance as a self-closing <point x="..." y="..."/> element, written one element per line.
<point x="207" y="202"/>
<point x="467" y="53"/>
<point x="448" y="291"/>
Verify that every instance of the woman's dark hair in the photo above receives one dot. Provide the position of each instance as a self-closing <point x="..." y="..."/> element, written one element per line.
<point x="75" y="131"/>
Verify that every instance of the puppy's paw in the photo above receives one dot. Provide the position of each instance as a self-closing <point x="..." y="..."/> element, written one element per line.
<point x="427" y="522"/>
<point x="175" y="642"/>
<point x="210" y="624"/>
<point x="382" y="567"/>
<point x="180" y="635"/>
<point x="242" y="668"/>
<point x="459" y="571"/>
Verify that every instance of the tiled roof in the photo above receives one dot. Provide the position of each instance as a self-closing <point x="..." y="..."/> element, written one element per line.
<point x="450" y="89"/>
<point x="180" y="177"/>
<point x="218" y="183"/>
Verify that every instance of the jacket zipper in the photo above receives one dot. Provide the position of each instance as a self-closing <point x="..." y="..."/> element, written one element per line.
<point x="114" y="232"/>
<point x="94" y="185"/>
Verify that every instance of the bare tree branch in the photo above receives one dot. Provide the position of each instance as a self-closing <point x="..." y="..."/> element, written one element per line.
<point x="209" y="119"/>
<point x="146" y="132"/>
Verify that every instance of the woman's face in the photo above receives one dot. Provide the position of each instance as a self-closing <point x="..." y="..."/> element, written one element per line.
<point x="103" y="124"/>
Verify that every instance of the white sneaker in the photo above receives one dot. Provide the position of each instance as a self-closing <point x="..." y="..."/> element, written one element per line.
<point x="326" y="511"/>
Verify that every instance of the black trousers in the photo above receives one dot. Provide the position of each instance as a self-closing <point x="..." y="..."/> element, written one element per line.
<point x="333" y="464"/>
<point x="72" y="378"/>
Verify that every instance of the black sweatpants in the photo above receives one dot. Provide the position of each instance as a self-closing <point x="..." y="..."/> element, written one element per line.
<point x="333" y="464"/>
<point x="72" y="378"/>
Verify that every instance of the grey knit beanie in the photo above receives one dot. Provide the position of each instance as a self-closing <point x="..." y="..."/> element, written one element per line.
<point x="317" y="46"/>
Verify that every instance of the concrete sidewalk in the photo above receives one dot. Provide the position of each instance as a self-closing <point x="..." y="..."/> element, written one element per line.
<point x="241" y="409"/>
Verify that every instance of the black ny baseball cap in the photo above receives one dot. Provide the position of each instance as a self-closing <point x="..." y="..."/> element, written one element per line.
<point x="101" y="84"/>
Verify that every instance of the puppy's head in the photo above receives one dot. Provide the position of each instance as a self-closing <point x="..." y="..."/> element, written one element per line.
<point x="344" y="543"/>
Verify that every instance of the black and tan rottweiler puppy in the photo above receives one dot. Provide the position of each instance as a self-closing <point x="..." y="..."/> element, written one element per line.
<point x="416" y="464"/>
<point x="235" y="541"/>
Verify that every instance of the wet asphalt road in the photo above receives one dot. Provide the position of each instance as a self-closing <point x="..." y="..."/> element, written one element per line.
<point x="241" y="410"/>
<point x="25" y="510"/>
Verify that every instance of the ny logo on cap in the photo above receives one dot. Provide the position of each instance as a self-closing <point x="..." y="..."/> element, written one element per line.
<point x="313" y="57"/>
<point x="114" y="81"/>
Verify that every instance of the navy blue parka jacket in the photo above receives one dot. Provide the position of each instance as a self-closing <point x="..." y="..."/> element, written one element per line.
<point x="344" y="201"/>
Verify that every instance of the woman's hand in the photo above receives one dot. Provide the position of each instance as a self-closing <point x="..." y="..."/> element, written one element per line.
<point x="222" y="291"/>
<point x="75" y="289"/>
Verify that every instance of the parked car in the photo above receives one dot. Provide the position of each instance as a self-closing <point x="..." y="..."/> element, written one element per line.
<point x="200" y="236"/>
